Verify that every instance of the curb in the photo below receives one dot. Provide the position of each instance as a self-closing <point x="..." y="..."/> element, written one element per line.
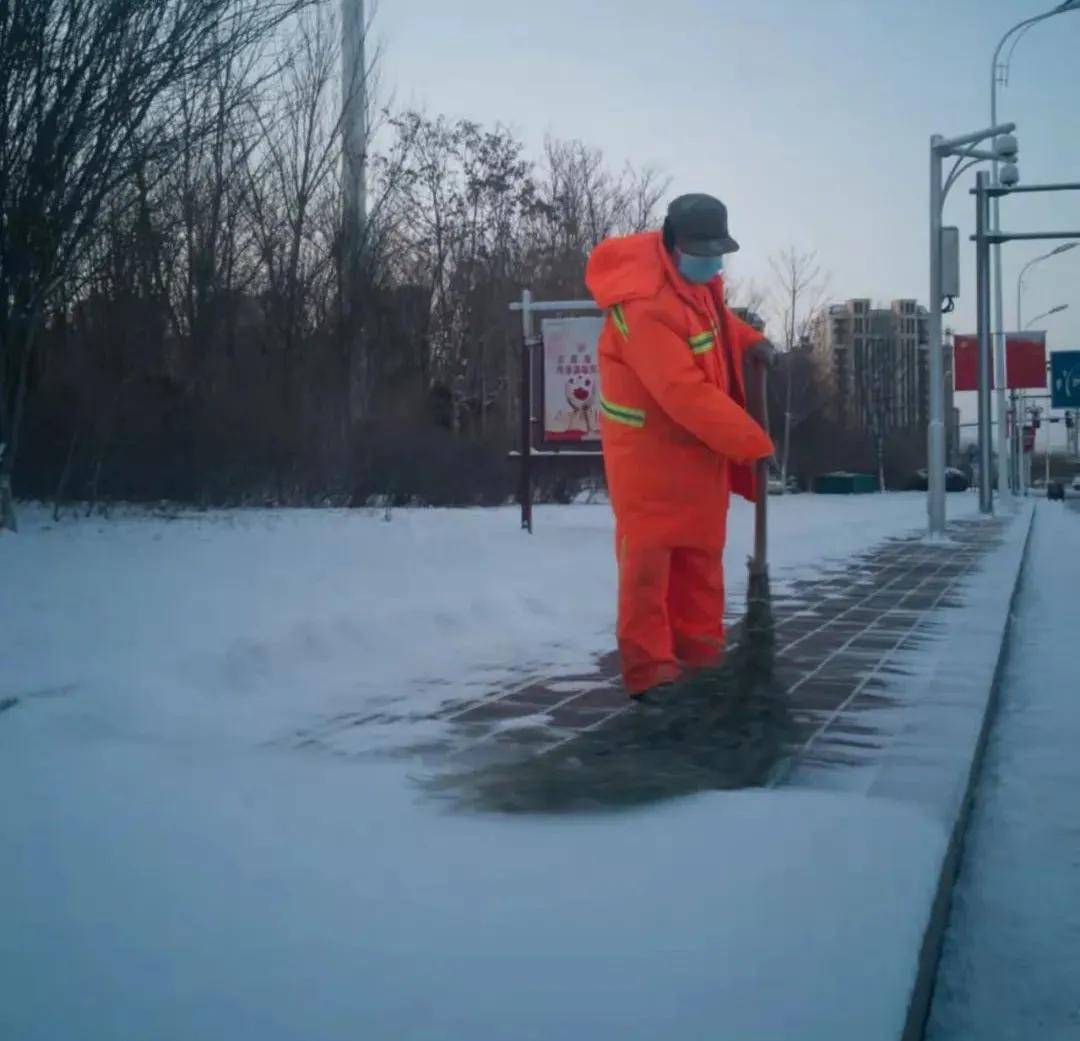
<point x="922" y="993"/>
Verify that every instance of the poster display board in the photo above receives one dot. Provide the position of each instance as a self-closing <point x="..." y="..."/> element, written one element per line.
<point x="571" y="381"/>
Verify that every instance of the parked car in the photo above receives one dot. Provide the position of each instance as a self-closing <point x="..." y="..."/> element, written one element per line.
<point x="1076" y="483"/>
<point x="776" y="487"/>
<point x="955" y="481"/>
<point x="1055" y="490"/>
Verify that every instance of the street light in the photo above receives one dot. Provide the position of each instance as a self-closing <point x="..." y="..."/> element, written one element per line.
<point x="967" y="153"/>
<point x="1047" y="314"/>
<point x="1063" y="248"/>
<point x="999" y="72"/>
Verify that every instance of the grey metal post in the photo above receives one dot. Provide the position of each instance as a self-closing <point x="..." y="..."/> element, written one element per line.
<point x="354" y="130"/>
<point x="1025" y="476"/>
<point x="999" y="362"/>
<point x="354" y="134"/>
<point x="755" y="377"/>
<point x="526" y="409"/>
<point x="935" y="432"/>
<point x="1014" y="473"/>
<point x="999" y="319"/>
<point x="1047" y="456"/>
<point x="982" y="280"/>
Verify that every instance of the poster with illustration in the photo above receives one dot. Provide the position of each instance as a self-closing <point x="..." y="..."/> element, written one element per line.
<point x="571" y="379"/>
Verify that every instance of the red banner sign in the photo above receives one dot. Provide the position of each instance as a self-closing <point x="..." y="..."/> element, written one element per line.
<point x="1025" y="361"/>
<point x="966" y="363"/>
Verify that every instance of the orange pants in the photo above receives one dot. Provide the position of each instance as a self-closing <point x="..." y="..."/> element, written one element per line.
<point x="671" y="612"/>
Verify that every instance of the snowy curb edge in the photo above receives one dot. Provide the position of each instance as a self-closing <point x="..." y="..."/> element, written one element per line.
<point x="933" y="938"/>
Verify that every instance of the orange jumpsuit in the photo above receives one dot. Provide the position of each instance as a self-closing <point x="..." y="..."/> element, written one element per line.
<point x="677" y="439"/>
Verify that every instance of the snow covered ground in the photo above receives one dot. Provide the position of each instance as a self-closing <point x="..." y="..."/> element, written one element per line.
<point x="1011" y="964"/>
<point x="171" y="869"/>
<point x="252" y="622"/>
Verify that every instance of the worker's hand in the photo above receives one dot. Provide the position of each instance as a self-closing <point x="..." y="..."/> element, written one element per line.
<point x="762" y="352"/>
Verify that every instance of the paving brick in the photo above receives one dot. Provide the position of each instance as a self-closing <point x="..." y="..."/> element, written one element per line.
<point x="840" y="648"/>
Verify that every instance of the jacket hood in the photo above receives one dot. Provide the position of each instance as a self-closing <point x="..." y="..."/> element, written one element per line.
<point x="631" y="267"/>
<point x="636" y="267"/>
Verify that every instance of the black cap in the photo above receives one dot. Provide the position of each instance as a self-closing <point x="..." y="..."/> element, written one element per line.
<point x="699" y="225"/>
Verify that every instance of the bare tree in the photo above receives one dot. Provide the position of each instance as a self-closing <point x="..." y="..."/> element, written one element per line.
<point x="746" y="296"/>
<point x="799" y="291"/>
<point x="292" y="174"/>
<point x="87" y="96"/>
<point x="199" y="350"/>
<point x="580" y="202"/>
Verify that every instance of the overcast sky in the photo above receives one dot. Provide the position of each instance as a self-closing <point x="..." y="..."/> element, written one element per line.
<point x="810" y="120"/>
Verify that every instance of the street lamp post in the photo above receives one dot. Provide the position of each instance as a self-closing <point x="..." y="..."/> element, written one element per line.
<point x="1000" y="71"/>
<point x="966" y="151"/>
<point x="982" y="293"/>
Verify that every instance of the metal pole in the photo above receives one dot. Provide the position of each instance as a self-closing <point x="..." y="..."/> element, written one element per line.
<point x="354" y="134"/>
<point x="354" y="120"/>
<point x="982" y="279"/>
<point x="1047" y="460"/>
<point x="756" y="379"/>
<point x="526" y="410"/>
<point x="1021" y="454"/>
<point x="1019" y="297"/>
<point x="1022" y="457"/>
<point x="999" y="318"/>
<point x="1014" y="473"/>
<point x="935" y="433"/>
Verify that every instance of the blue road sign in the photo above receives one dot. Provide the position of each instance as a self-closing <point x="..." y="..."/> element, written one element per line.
<point x="1065" y="379"/>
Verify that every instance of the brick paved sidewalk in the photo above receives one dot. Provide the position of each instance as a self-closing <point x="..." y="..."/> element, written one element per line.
<point x="841" y="642"/>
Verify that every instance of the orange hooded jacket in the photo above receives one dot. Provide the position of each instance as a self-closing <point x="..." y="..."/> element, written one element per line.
<point x="676" y="436"/>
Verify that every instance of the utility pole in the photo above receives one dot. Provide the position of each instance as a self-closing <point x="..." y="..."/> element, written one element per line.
<point x="354" y="133"/>
<point x="966" y="151"/>
<point x="982" y="285"/>
<point x="354" y="121"/>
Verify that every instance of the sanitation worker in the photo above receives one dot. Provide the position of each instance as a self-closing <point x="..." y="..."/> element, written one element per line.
<point x="676" y="435"/>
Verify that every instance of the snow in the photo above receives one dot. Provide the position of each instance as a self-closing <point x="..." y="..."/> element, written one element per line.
<point x="257" y="620"/>
<point x="166" y="891"/>
<point x="174" y="866"/>
<point x="1012" y="954"/>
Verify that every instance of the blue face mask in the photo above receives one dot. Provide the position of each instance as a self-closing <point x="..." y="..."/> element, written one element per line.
<point x="698" y="270"/>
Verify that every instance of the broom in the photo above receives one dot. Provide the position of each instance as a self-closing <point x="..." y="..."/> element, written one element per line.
<point x="757" y="647"/>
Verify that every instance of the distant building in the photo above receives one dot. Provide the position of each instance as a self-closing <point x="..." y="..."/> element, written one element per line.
<point x="875" y="361"/>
